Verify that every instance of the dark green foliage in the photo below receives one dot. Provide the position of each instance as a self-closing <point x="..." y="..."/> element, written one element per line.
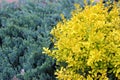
<point x="23" y="32"/>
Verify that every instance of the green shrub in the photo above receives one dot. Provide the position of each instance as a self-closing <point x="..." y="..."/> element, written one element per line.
<point x="23" y="32"/>
<point x="87" y="46"/>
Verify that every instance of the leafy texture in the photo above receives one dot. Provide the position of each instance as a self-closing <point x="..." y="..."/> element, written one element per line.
<point x="23" y="32"/>
<point x="87" y="46"/>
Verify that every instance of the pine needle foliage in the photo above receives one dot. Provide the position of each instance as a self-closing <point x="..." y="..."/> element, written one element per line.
<point x="24" y="30"/>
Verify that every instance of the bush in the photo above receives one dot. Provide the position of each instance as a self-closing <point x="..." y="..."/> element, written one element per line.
<point x="87" y="46"/>
<point x="23" y="32"/>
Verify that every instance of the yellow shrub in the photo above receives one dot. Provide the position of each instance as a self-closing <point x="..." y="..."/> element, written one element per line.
<point x="88" y="44"/>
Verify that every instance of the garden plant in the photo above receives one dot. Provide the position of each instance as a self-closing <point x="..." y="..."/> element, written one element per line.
<point x="87" y="46"/>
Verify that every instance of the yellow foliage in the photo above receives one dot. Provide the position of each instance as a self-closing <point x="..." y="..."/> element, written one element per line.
<point x="89" y="43"/>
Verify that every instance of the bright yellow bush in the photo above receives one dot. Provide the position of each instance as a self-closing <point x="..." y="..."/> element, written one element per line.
<point x="87" y="46"/>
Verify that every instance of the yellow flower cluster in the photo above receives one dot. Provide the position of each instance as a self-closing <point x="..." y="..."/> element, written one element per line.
<point x="88" y="44"/>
